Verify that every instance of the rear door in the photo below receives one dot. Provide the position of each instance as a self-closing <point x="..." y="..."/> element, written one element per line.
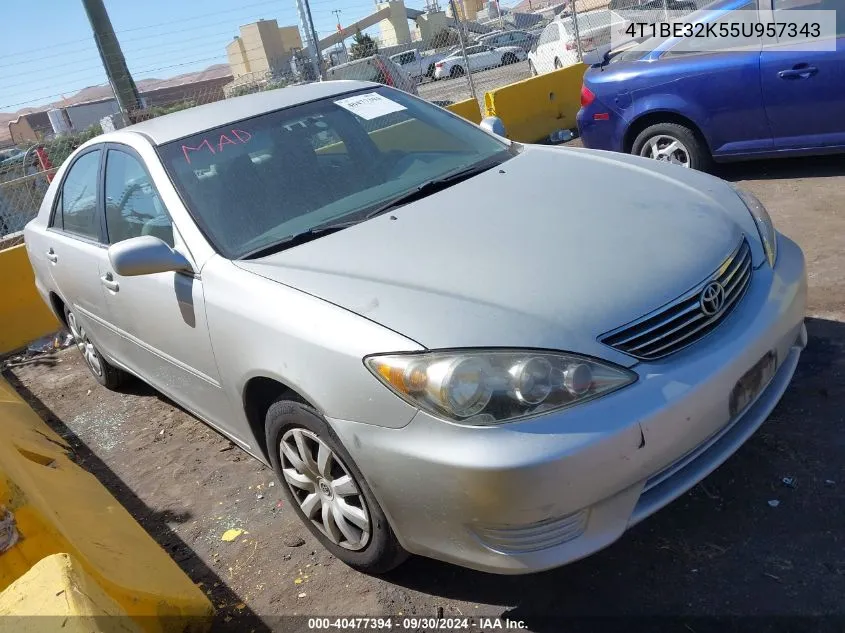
<point x="804" y="87"/>
<point x="77" y="253"/>
<point x="547" y="46"/>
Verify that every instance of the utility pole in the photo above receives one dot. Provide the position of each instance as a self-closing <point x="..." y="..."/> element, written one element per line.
<point x="122" y="84"/>
<point x="337" y="13"/>
<point x="311" y="40"/>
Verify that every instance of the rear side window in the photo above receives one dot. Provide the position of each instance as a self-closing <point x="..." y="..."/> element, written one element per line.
<point x="404" y="58"/>
<point x="76" y="205"/>
<point x="694" y="46"/>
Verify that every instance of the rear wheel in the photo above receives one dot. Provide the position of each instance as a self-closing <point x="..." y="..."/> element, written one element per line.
<point x="430" y="72"/>
<point x="104" y="373"/>
<point x="328" y="491"/>
<point x="672" y="143"/>
<point x="509" y="58"/>
<point x="456" y="71"/>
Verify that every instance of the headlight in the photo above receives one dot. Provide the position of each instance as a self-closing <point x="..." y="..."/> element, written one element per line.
<point x="489" y="387"/>
<point x="765" y="228"/>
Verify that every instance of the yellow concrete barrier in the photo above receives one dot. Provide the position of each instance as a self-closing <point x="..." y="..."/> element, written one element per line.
<point x="65" y="598"/>
<point x="23" y="315"/>
<point x="59" y="508"/>
<point x="468" y="109"/>
<point x="534" y="108"/>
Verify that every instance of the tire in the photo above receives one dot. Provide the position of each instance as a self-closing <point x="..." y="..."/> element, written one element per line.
<point x="103" y="372"/>
<point x="456" y="71"/>
<point x="376" y="553"/>
<point x="660" y="137"/>
<point x="558" y="64"/>
<point x="509" y="58"/>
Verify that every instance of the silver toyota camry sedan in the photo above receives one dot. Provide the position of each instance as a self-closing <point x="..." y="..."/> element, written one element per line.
<point x="443" y="342"/>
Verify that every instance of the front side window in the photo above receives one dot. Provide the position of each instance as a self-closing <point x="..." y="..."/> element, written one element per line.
<point x="133" y="206"/>
<point x="76" y="204"/>
<point x="255" y="183"/>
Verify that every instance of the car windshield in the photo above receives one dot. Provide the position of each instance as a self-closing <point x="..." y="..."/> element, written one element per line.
<point x="260" y="181"/>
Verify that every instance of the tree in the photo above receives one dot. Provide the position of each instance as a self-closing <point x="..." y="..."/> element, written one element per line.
<point x="362" y="46"/>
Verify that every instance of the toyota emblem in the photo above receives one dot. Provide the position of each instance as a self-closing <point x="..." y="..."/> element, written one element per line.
<point x="712" y="298"/>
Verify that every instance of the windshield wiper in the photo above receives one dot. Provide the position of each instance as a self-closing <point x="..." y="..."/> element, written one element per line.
<point x="431" y="186"/>
<point x="296" y="239"/>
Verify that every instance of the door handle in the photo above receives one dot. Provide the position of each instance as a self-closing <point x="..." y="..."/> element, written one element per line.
<point x="51" y="255"/>
<point x="109" y="282"/>
<point x="801" y="71"/>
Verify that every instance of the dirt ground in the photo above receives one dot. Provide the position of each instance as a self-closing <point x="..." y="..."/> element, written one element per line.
<point x="721" y="550"/>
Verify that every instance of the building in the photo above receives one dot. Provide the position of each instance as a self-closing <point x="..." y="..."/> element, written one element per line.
<point x="30" y="128"/>
<point x="466" y="9"/>
<point x="36" y="126"/>
<point x="263" y="47"/>
<point x="394" y="29"/>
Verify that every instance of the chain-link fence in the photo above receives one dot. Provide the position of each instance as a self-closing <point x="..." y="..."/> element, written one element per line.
<point x="468" y="52"/>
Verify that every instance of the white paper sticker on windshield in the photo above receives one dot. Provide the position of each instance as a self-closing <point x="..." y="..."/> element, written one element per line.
<point x="370" y="105"/>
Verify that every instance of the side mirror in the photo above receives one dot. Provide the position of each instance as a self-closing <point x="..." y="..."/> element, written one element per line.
<point x="494" y="125"/>
<point x="146" y="255"/>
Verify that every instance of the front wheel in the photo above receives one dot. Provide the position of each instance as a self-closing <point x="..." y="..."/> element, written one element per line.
<point x="104" y="373"/>
<point x="456" y="71"/>
<point x="672" y="143"/>
<point x="327" y="490"/>
<point x="558" y="65"/>
<point x="509" y="58"/>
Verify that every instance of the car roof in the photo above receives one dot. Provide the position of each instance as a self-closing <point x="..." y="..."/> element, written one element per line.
<point x="171" y="127"/>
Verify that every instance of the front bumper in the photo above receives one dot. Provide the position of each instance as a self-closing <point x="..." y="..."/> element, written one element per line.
<point x="541" y="493"/>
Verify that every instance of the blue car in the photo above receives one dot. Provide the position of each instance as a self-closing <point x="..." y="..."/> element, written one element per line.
<point x="677" y="104"/>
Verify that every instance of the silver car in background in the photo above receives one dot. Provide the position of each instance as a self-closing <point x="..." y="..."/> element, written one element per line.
<point x="440" y="344"/>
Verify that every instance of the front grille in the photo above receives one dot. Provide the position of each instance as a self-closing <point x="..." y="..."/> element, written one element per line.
<point x="684" y="321"/>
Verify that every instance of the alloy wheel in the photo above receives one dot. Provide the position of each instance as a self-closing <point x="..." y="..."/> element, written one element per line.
<point x="326" y="492"/>
<point x="667" y="149"/>
<point x="85" y="346"/>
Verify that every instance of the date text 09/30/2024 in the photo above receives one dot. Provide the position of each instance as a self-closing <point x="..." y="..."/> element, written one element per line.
<point x="414" y="624"/>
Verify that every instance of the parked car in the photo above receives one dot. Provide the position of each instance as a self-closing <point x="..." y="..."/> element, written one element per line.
<point x="353" y="285"/>
<point x="416" y="64"/>
<point x="480" y="57"/>
<point x="557" y="45"/>
<point x="711" y="113"/>
<point x="515" y="37"/>
<point x="650" y="10"/>
<point x="377" y="68"/>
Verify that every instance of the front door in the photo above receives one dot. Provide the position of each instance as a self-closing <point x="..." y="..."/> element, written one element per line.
<point x="804" y="87"/>
<point x="161" y="316"/>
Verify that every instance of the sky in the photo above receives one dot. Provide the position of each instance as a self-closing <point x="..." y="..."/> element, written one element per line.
<point x="47" y="50"/>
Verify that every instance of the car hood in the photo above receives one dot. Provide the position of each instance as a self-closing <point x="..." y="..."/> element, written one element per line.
<point x="551" y="250"/>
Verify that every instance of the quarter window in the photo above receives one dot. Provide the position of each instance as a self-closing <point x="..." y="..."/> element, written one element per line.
<point x="133" y="206"/>
<point x="76" y="206"/>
